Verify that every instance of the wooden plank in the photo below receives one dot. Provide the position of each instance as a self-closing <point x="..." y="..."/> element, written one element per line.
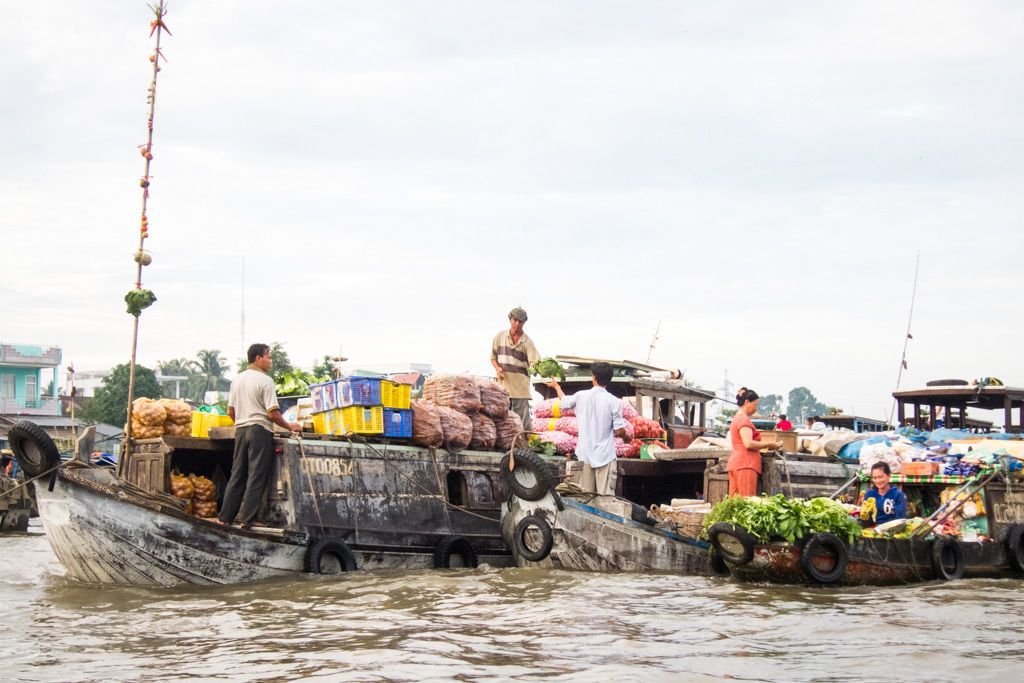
<point x="196" y="444"/>
<point x="688" y="453"/>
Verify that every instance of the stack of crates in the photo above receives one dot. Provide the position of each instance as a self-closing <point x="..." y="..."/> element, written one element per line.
<point x="362" y="405"/>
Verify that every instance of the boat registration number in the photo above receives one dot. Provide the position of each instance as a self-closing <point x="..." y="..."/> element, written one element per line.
<point x="1010" y="509"/>
<point x="338" y="467"/>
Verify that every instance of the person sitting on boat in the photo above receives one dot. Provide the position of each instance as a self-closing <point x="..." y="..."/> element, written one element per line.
<point x="599" y="418"/>
<point x="512" y="354"/>
<point x="816" y="424"/>
<point x="886" y="502"/>
<point x="784" y="425"/>
<point x="745" y="461"/>
<point x="252" y="404"/>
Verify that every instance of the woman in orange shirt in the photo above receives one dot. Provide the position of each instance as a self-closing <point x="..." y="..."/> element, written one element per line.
<point x="745" y="461"/>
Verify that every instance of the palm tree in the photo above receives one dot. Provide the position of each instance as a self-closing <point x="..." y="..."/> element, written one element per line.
<point x="210" y="366"/>
<point x="179" y="367"/>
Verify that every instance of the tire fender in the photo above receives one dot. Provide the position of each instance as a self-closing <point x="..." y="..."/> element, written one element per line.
<point x="531" y="479"/>
<point x="455" y="545"/>
<point x="1015" y="547"/>
<point x="34" y="449"/>
<point x="827" y="542"/>
<point x="546" y="538"/>
<point x="733" y="543"/>
<point x="329" y="547"/>
<point x="717" y="564"/>
<point x="947" y="551"/>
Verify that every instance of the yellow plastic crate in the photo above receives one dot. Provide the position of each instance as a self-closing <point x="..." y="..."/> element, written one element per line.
<point x="202" y="422"/>
<point x="362" y="419"/>
<point x="395" y="395"/>
<point x="328" y="422"/>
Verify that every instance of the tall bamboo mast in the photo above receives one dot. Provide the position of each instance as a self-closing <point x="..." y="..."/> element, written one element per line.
<point x="140" y="298"/>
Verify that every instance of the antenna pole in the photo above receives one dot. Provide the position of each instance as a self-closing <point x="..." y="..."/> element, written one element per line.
<point x="906" y="339"/>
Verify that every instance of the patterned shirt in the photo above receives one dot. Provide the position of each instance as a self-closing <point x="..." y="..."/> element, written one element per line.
<point x="515" y="360"/>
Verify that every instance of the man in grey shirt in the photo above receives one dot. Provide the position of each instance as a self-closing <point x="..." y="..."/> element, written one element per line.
<point x="253" y="406"/>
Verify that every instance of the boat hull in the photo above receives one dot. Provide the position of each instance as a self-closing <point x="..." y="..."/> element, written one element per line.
<point x="871" y="562"/>
<point x="586" y="537"/>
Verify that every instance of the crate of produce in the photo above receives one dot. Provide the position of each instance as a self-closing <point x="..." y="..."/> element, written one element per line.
<point x="328" y="422"/>
<point x="330" y="392"/>
<point x="202" y="422"/>
<point x="362" y="420"/>
<point x="398" y="423"/>
<point x="359" y="391"/>
<point x="395" y="394"/>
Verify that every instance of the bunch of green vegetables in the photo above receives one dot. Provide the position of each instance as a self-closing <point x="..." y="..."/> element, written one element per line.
<point x="139" y="299"/>
<point x="542" y="447"/>
<point x="295" y="382"/>
<point x="776" y="516"/>
<point x="548" y="367"/>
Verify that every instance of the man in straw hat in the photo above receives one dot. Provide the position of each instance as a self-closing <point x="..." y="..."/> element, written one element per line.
<point x="512" y="354"/>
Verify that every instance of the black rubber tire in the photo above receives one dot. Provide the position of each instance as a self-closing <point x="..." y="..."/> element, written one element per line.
<point x="329" y="547"/>
<point x="829" y="542"/>
<point x="718" y="565"/>
<point x="547" y="540"/>
<point x="947" y="383"/>
<point x="34" y="449"/>
<point x="1015" y="548"/>
<point x="945" y="550"/>
<point x="724" y="531"/>
<point x="455" y="545"/>
<point x="536" y="475"/>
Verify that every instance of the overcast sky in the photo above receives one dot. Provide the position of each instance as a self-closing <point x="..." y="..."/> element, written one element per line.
<point x="758" y="177"/>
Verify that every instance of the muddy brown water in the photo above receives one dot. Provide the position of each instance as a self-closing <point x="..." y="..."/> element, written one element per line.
<point x="499" y="625"/>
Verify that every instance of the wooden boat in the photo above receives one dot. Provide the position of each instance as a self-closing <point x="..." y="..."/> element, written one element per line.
<point x="825" y="559"/>
<point x="15" y="505"/>
<point x="586" y="532"/>
<point x="333" y="506"/>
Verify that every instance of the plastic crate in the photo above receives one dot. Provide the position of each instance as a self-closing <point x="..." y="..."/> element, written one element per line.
<point x="363" y="420"/>
<point x="395" y="395"/>
<point x="330" y="392"/>
<point x="359" y="391"/>
<point x="316" y="392"/>
<point x="398" y="423"/>
<point x="328" y="422"/>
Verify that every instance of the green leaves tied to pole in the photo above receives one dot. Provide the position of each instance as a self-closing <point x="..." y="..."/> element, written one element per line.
<point x="138" y="299"/>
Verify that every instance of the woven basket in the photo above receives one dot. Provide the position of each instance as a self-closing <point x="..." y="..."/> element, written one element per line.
<point x="688" y="523"/>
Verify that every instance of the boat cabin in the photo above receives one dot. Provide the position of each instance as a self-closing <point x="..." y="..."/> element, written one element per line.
<point x="855" y="423"/>
<point x="923" y="408"/>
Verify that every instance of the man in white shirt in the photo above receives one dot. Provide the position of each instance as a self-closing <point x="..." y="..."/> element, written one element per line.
<point x="252" y="404"/>
<point x="599" y="418"/>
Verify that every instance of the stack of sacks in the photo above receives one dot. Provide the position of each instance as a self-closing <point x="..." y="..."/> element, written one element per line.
<point x="472" y="412"/>
<point x="493" y="398"/>
<point x="181" y="487"/>
<point x="558" y="425"/>
<point x="509" y="431"/>
<point x="204" y="498"/>
<point x="179" y="417"/>
<point x="453" y="391"/>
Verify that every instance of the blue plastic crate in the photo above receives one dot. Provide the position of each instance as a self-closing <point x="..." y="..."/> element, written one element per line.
<point x="359" y="391"/>
<point x="398" y="423"/>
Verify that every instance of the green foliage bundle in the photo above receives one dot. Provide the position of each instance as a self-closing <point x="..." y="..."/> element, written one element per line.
<point x="776" y="516"/>
<point x="548" y="367"/>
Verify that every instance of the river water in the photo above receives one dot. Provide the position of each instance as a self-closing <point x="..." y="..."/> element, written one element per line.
<point x="499" y="625"/>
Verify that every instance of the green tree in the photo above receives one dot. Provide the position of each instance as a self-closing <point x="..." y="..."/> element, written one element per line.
<point x="803" y="404"/>
<point x="323" y="370"/>
<point x="770" y="405"/>
<point x="724" y="419"/>
<point x="110" y="404"/>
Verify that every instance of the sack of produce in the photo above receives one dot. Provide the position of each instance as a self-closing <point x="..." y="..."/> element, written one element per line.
<point x="557" y="424"/>
<point x="181" y="486"/>
<point x="453" y="391"/>
<point x="457" y="428"/>
<point x="205" y="510"/>
<point x="509" y="427"/>
<point x="205" y="489"/>
<point x="646" y="428"/>
<point x="563" y="443"/>
<point x="493" y="398"/>
<point x="177" y="412"/>
<point x="552" y="407"/>
<point x="148" y="418"/>
<point x="628" y="410"/>
<point x="484" y="432"/>
<point x="426" y="424"/>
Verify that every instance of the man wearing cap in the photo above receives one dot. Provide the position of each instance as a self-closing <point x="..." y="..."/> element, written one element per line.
<point x="512" y="354"/>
